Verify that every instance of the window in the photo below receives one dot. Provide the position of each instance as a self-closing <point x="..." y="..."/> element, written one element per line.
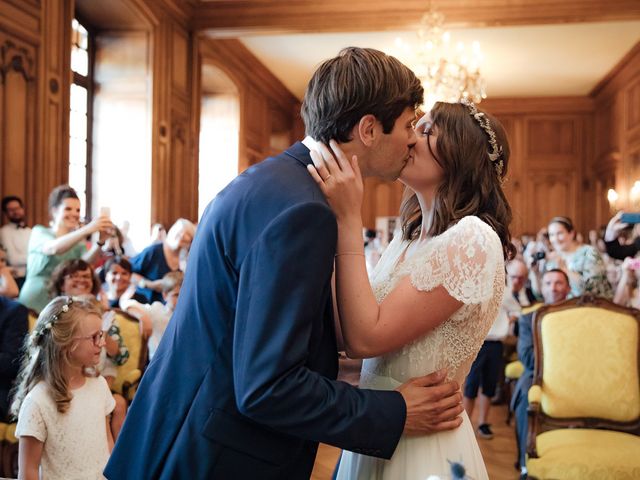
<point x="79" y="121"/>
<point x="219" y="130"/>
<point x="219" y="133"/>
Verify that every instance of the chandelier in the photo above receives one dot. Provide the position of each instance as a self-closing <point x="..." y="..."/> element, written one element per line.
<point x="448" y="73"/>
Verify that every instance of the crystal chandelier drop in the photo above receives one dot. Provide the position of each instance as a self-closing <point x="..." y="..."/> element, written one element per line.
<point x="448" y="73"/>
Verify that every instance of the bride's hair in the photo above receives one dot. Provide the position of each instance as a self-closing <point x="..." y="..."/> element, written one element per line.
<point x="472" y="181"/>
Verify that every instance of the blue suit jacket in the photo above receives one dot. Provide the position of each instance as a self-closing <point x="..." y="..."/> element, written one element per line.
<point x="14" y="326"/>
<point x="243" y="383"/>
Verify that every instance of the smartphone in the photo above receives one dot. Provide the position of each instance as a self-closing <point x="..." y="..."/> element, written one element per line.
<point x="105" y="211"/>
<point x="630" y="218"/>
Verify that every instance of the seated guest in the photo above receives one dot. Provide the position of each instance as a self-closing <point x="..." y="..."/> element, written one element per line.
<point x="8" y="286"/>
<point x="117" y="276"/>
<point x="155" y="261"/>
<point x="76" y="278"/>
<point x="64" y="240"/>
<point x="517" y="275"/>
<point x="14" y="325"/>
<point x="15" y="237"/>
<point x="555" y="288"/>
<point x="154" y="318"/>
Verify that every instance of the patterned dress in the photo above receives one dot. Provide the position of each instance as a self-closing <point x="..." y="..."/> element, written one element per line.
<point x="467" y="260"/>
<point x="587" y="272"/>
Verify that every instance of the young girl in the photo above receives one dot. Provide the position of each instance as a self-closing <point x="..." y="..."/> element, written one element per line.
<point x="63" y="414"/>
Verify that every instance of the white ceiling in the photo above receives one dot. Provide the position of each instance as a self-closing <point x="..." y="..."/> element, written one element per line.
<point x="545" y="60"/>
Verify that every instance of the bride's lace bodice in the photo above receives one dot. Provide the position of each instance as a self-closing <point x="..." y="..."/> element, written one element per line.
<point x="467" y="261"/>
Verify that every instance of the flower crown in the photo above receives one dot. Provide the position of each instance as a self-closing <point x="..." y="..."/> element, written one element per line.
<point x="54" y="318"/>
<point x="496" y="153"/>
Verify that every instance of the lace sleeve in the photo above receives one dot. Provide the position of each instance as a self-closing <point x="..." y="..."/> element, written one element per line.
<point x="463" y="260"/>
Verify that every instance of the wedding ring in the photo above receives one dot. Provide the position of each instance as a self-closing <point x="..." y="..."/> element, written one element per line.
<point x="327" y="178"/>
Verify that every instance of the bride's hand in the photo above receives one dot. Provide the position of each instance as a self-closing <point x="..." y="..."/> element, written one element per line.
<point x="339" y="179"/>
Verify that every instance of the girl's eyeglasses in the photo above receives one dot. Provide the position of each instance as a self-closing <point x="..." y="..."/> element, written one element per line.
<point x="96" y="338"/>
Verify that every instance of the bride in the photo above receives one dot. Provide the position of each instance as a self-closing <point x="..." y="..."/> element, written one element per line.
<point x="437" y="288"/>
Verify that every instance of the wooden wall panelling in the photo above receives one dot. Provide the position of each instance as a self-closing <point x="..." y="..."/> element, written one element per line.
<point x="550" y="193"/>
<point x="551" y="142"/>
<point x="18" y="91"/>
<point x="234" y="17"/>
<point x="173" y="193"/>
<point x="632" y="112"/>
<point x="182" y="158"/>
<point x="516" y="172"/>
<point x="52" y="160"/>
<point x="617" y="99"/>
<point x="22" y="19"/>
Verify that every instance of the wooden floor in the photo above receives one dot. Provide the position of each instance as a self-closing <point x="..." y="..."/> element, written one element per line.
<point x="499" y="453"/>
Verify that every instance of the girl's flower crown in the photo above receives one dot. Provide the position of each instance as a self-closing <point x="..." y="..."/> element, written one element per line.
<point x="54" y="318"/>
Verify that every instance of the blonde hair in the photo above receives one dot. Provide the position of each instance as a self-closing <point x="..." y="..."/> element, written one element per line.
<point x="47" y="347"/>
<point x="172" y="280"/>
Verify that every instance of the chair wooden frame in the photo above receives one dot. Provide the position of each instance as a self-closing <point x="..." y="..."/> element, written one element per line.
<point x="539" y="422"/>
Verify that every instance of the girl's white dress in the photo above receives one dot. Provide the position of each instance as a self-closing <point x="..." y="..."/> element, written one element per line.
<point x="467" y="260"/>
<point x="75" y="442"/>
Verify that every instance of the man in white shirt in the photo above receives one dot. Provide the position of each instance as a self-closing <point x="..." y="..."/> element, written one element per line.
<point x="14" y="236"/>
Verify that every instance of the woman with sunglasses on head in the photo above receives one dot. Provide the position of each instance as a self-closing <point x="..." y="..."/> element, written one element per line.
<point x="437" y="288"/>
<point x="62" y="409"/>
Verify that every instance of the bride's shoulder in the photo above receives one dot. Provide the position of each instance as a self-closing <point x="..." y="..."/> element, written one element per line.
<point x="472" y="225"/>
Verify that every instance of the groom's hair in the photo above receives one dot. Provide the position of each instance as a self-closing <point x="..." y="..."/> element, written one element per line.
<point x="358" y="82"/>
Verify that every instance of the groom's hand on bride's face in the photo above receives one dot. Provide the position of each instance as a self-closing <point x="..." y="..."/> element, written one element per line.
<point x="433" y="405"/>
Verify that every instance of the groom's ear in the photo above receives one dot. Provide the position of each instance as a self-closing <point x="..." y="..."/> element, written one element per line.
<point x="366" y="130"/>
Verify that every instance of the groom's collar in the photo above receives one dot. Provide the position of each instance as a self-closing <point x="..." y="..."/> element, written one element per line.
<point x="309" y="142"/>
<point x="300" y="150"/>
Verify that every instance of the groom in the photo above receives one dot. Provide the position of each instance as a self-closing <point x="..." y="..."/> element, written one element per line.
<point x="243" y="383"/>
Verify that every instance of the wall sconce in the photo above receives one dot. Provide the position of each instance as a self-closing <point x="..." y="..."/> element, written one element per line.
<point x="612" y="196"/>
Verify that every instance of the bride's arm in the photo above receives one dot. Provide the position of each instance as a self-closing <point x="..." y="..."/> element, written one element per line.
<point x="369" y="328"/>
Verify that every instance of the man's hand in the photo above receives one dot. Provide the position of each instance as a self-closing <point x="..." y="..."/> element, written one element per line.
<point x="433" y="405"/>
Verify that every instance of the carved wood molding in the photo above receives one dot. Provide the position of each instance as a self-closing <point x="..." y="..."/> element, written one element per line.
<point x="235" y="17"/>
<point x="16" y="58"/>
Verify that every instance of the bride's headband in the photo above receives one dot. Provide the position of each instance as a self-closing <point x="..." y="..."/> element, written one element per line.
<point x="495" y="155"/>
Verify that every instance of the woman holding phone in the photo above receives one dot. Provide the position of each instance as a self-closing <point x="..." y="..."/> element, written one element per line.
<point x="621" y="221"/>
<point x="62" y="240"/>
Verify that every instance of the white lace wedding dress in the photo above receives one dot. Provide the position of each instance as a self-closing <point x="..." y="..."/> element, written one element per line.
<point x="467" y="260"/>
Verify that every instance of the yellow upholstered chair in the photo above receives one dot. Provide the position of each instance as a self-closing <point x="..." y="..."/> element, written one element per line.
<point x="584" y="405"/>
<point x="130" y="372"/>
